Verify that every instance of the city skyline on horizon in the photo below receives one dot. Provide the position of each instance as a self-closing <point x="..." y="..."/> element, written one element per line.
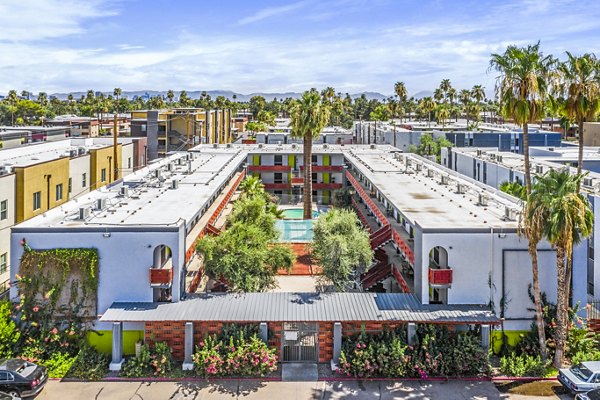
<point x="272" y="46"/>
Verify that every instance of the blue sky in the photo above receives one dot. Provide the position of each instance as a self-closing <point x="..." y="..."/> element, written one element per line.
<point x="287" y="45"/>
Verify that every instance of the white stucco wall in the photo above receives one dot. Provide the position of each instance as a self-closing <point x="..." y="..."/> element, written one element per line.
<point x="125" y="259"/>
<point x="7" y="192"/>
<point x="77" y="167"/>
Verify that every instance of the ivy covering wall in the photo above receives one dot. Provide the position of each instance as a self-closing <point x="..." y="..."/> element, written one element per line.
<point x="64" y="279"/>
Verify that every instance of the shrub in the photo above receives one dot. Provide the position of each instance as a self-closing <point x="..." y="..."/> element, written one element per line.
<point x="161" y="359"/>
<point x="581" y="356"/>
<point x="89" y="364"/>
<point x="139" y="365"/>
<point x="242" y="356"/>
<point x="58" y="364"/>
<point x="522" y="365"/>
<point x="9" y="334"/>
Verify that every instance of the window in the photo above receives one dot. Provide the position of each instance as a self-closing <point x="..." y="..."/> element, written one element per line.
<point x="84" y="179"/>
<point x="314" y="177"/>
<point x="5" y="376"/>
<point x="278" y="177"/>
<point x="37" y="201"/>
<point x="278" y="159"/>
<point x="314" y="160"/>
<point x="59" y="192"/>
<point x="70" y="185"/>
<point x="103" y="175"/>
<point x="4" y="209"/>
<point x="3" y="265"/>
<point x="143" y="127"/>
<point x="129" y="163"/>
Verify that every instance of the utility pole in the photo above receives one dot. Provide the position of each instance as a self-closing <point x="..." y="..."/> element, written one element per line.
<point x="115" y="144"/>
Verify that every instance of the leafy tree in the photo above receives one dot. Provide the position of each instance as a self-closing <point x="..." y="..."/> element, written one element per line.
<point x="565" y="219"/>
<point x="522" y="87"/>
<point x="341" y="248"/>
<point x="254" y="126"/>
<point x="581" y="87"/>
<point x="514" y="189"/>
<point x="308" y="118"/>
<point x="9" y="334"/>
<point x="266" y="118"/>
<point x="256" y="104"/>
<point x="427" y="105"/>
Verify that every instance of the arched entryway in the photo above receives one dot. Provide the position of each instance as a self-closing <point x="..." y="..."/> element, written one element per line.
<point x="162" y="273"/>
<point x="439" y="275"/>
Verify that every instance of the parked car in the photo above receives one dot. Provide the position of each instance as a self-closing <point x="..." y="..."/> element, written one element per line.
<point x="6" y="396"/>
<point x="20" y="378"/>
<point x="582" y="377"/>
<point x="591" y="395"/>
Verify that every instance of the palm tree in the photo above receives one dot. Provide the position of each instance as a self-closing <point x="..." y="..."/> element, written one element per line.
<point x="514" y="189"/>
<point x="442" y="114"/>
<point x="12" y="99"/>
<point x="309" y="116"/>
<point x="521" y="88"/>
<point x="71" y="101"/>
<point x="445" y="86"/>
<point x="170" y="96"/>
<point x="451" y="96"/>
<point x="400" y="91"/>
<point x="581" y="87"/>
<point x="478" y="93"/>
<point x="438" y="95"/>
<point x="427" y="105"/>
<point x="393" y="108"/>
<point x="565" y="218"/>
<point x="464" y="97"/>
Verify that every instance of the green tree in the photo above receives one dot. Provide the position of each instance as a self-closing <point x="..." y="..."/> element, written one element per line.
<point x="266" y="118"/>
<point x="442" y="114"/>
<point x="12" y="99"/>
<point x="341" y="248"/>
<point x="566" y="219"/>
<point x="522" y="87"/>
<point x="184" y="100"/>
<point x="380" y="113"/>
<point x="581" y="88"/>
<point x="514" y="189"/>
<point x="9" y="334"/>
<point x="170" y="96"/>
<point x="400" y="92"/>
<point x="254" y="126"/>
<point x="256" y="105"/>
<point x="308" y="118"/>
<point x="427" y="105"/>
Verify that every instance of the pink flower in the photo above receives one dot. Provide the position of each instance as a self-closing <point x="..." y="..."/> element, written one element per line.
<point x="36" y="309"/>
<point x="54" y="331"/>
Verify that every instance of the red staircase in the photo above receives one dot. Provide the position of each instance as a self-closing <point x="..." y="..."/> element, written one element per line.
<point x="381" y="236"/>
<point x="212" y="230"/>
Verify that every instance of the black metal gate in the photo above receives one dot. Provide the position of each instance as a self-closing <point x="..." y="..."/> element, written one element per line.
<point x="300" y="342"/>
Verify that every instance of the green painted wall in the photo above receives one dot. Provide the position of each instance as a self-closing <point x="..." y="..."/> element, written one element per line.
<point x="292" y="160"/>
<point x="102" y="340"/>
<point x="256" y="159"/>
<point x="326" y="159"/>
<point x="326" y="195"/>
<point x="513" y="338"/>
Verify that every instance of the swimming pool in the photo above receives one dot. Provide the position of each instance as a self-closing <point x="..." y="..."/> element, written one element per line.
<point x="297" y="213"/>
<point x="295" y="230"/>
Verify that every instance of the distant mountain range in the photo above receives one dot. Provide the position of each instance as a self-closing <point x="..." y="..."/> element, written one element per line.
<point x="195" y="94"/>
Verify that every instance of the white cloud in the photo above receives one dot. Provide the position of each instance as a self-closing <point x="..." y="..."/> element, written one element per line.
<point x="27" y="20"/>
<point x="270" y="12"/>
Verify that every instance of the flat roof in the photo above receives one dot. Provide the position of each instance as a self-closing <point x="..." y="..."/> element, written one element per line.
<point x="301" y="307"/>
<point x="151" y="200"/>
<point x="424" y="200"/>
<point x="40" y="152"/>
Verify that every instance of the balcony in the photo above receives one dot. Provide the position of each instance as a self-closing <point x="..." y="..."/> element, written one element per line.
<point x="297" y="181"/>
<point x="440" y="278"/>
<point x="277" y="186"/>
<point x="326" y="186"/>
<point x="269" y="168"/>
<point x="161" y="277"/>
<point x="325" y="168"/>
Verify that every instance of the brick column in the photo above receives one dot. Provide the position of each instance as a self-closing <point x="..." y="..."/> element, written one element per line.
<point x="117" y="347"/>
<point x="188" y="347"/>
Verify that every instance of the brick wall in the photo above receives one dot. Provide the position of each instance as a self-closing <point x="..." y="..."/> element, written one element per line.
<point x="325" y="341"/>
<point x="351" y="328"/>
<point x="172" y="332"/>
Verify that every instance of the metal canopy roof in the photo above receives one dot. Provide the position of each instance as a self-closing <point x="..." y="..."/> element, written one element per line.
<point x="296" y="307"/>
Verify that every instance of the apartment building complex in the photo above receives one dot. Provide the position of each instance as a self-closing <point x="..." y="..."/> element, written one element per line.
<point x="38" y="177"/>
<point x="180" y="128"/>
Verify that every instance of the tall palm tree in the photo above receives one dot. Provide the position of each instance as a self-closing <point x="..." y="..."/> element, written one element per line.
<point x="565" y="219"/>
<point x="308" y="117"/>
<point x="478" y="93"/>
<point x="438" y="95"/>
<point x="442" y="113"/>
<point x="581" y="87"/>
<point x="12" y="99"/>
<point x="170" y="96"/>
<point x="400" y="91"/>
<point x="393" y="107"/>
<point x="464" y="97"/>
<point x="427" y="105"/>
<point x="445" y="86"/>
<point x="451" y="96"/>
<point x="521" y="88"/>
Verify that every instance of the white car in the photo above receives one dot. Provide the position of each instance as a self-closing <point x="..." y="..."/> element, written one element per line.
<point x="582" y="377"/>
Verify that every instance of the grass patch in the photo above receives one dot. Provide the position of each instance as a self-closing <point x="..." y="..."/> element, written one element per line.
<point x="534" y="388"/>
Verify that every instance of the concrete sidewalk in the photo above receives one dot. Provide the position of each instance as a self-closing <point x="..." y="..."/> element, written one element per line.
<point x="248" y="390"/>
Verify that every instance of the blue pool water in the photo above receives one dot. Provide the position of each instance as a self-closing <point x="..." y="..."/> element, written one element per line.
<point x="297" y="213"/>
<point x="295" y="230"/>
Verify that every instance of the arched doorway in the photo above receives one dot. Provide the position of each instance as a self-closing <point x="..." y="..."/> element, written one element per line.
<point x="162" y="274"/>
<point x="440" y="277"/>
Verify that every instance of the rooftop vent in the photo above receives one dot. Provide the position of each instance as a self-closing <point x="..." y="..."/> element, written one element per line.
<point x="124" y="191"/>
<point x="461" y="188"/>
<point x="539" y="169"/>
<point x="588" y="182"/>
<point x="510" y="213"/>
<point x="73" y="153"/>
<point x="228" y="145"/>
<point x="174" y="184"/>
<point x="430" y="173"/>
<point x="294" y="145"/>
<point x="325" y="146"/>
<point x="444" y="179"/>
<point x="100" y="204"/>
<point x="499" y="158"/>
<point x="482" y="199"/>
<point x="215" y="145"/>
<point x="373" y="146"/>
<point x="419" y="167"/>
<point x="4" y="170"/>
<point x="84" y="212"/>
<point x="81" y="151"/>
<point x="479" y="152"/>
<point x="260" y="146"/>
